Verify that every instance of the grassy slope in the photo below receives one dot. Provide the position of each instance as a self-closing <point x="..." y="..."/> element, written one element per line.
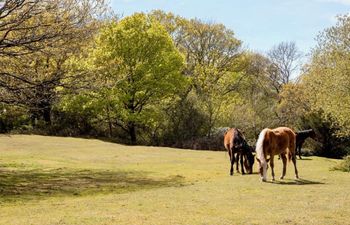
<point x="52" y="180"/>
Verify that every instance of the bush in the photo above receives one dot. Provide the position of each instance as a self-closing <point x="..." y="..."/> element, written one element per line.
<point x="13" y="118"/>
<point x="344" y="165"/>
<point x="328" y="144"/>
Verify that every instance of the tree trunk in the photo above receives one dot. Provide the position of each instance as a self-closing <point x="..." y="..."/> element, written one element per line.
<point x="109" y="122"/>
<point x="34" y="117"/>
<point x="132" y="132"/>
<point x="47" y="115"/>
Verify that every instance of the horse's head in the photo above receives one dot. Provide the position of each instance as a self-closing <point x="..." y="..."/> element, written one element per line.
<point x="249" y="162"/>
<point x="262" y="139"/>
<point x="262" y="164"/>
<point x="249" y="158"/>
<point x="312" y="134"/>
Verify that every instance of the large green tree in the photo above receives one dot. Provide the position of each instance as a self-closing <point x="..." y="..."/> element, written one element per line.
<point x="138" y="67"/>
<point x="327" y="80"/>
<point x="213" y="56"/>
<point x="36" y="40"/>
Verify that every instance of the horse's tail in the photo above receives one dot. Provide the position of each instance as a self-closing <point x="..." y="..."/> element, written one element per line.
<point x="259" y="149"/>
<point x="292" y="146"/>
<point x="227" y="141"/>
<point x="227" y="147"/>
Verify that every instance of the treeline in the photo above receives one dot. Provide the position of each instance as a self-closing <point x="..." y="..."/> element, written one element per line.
<point x="71" y="68"/>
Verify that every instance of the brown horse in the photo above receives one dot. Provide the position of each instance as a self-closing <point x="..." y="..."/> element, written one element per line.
<point x="278" y="141"/>
<point x="236" y="144"/>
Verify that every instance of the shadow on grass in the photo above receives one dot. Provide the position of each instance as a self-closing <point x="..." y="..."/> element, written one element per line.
<point x="254" y="173"/>
<point x="33" y="184"/>
<point x="295" y="182"/>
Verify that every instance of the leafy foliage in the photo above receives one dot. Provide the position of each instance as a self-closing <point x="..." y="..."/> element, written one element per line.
<point x="37" y="38"/>
<point x="327" y="80"/>
<point x="137" y="68"/>
<point x="67" y="68"/>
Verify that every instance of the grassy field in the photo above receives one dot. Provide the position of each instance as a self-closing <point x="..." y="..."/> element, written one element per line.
<point x="52" y="180"/>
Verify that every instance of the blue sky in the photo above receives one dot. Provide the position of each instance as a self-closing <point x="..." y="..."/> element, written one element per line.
<point x="260" y="24"/>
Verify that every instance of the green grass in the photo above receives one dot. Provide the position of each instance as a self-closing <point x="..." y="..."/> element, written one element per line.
<point x="53" y="180"/>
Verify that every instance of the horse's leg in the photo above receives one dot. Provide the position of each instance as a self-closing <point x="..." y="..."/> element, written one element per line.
<point x="294" y="159"/>
<point x="242" y="169"/>
<point x="272" y="165"/>
<point x="284" y="161"/>
<point x="232" y="159"/>
<point x="237" y="162"/>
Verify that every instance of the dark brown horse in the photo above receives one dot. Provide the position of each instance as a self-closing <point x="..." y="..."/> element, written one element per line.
<point x="301" y="137"/>
<point x="271" y="142"/>
<point x="238" y="149"/>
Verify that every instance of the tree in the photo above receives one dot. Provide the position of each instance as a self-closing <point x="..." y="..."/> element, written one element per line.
<point x="139" y="66"/>
<point x="255" y="108"/>
<point x="231" y="87"/>
<point x="327" y="76"/>
<point x="31" y="25"/>
<point x="284" y="59"/>
<point x="294" y="104"/>
<point x="36" y="40"/>
<point x="212" y="55"/>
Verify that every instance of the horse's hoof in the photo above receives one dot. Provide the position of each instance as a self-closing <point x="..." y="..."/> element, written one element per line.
<point x="273" y="179"/>
<point x="296" y="177"/>
<point x="281" y="178"/>
<point x="263" y="179"/>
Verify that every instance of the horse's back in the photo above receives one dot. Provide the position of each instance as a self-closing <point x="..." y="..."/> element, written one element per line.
<point x="284" y="132"/>
<point x="233" y="138"/>
<point x="284" y="138"/>
<point x="228" y="139"/>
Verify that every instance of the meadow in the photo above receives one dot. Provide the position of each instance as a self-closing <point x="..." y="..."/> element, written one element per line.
<point x="55" y="180"/>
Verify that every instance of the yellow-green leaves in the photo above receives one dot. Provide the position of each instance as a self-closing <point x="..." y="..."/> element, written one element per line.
<point x="327" y="81"/>
<point x="137" y="59"/>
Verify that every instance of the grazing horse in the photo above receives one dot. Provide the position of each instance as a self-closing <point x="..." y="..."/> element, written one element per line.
<point x="236" y="144"/>
<point x="301" y="137"/>
<point x="271" y="142"/>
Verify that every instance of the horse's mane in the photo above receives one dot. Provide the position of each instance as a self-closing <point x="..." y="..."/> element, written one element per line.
<point x="223" y="130"/>
<point x="305" y="131"/>
<point x="236" y="136"/>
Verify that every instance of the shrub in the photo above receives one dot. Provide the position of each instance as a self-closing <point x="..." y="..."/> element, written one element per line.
<point x="344" y="165"/>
